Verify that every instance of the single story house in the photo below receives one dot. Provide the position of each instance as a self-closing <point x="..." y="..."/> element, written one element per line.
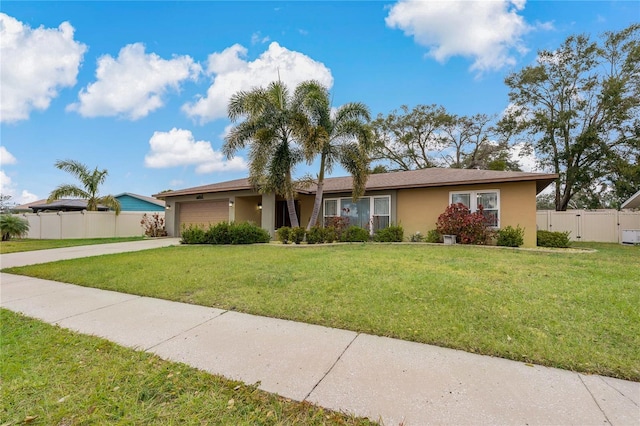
<point x="413" y="199"/>
<point x="62" y="205"/>
<point x="128" y="203"/>
<point x="139" y="203"/>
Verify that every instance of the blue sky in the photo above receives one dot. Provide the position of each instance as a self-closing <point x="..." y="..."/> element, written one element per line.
<point x="140" y="88"/>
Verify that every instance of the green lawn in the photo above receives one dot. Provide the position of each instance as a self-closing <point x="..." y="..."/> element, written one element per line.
<point x="52" y="376"/>
<point x="577" y="311"/>
<point x="17" y="245"/>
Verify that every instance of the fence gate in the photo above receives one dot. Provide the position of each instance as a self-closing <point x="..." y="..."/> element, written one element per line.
<point x="599" y="226"/>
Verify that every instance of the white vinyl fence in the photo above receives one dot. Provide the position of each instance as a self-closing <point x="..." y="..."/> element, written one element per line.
<point x="586" y="225"/>
<point x="63" y="225"/>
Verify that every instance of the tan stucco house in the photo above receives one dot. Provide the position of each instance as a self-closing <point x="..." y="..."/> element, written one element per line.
<point x="413" y="199"/>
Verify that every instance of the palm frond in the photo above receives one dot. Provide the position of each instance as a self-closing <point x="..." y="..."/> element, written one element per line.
<point x="76" y="168"/>
<point x="63" y="191"/>
<point x="355" y="161"/>
<point x="111" y="202"/>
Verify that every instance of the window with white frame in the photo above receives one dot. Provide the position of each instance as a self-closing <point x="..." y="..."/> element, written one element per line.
<point x="488" y="199"/>
<point x="371" y="213"/>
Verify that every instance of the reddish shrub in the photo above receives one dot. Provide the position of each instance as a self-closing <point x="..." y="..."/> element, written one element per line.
<point x="153" y="225"/>
<point x="470" y="228"/>
<point x="336" y="227"/>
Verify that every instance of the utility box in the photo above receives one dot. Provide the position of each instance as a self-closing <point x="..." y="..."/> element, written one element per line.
<point x="631" y="236"/>
<point x="449" y="239"/>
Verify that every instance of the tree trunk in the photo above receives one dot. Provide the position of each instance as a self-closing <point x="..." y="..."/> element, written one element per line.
<point x="318" y="199"/>
<point x="293" y="216"/>
<point x="316" y="205"/>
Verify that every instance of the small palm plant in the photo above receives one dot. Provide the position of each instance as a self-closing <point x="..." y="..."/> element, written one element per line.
<point x="13" y="226"/>
<point x="91" y="181"/>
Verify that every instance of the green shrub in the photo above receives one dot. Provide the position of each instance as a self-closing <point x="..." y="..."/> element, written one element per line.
<point x="553" y="239"/>
<point x="248" y="233"/>
<point x="354" y="234"/>
<point x="225" y="233"/>
<point x="510" y="236"/>
<point x="13" y="226"/>
<point x="193" y="234"/>
<point x="297" y="235"/>
<point x="317" y="235"/>
<point x="390" y="234"/>
<point x="433" y="236"/>
<point x="330" y="234"/>
<point x="220" y="233"/>
<point x="283" y="234"/>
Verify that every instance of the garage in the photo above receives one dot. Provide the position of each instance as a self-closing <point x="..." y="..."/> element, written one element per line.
<point x="204" y="213"/>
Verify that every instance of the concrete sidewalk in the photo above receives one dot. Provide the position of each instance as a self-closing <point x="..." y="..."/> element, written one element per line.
<point x="52" y="255"/>
<point x="389" y="380"/>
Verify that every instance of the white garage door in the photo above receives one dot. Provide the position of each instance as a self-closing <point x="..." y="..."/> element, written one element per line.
<point x="204" y="213"/>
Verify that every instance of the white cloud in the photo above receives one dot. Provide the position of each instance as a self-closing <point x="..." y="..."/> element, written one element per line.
<point x="36" y="64"/>
<point x="233" y="73"/>
<point x="525" y="157"/>
<point x="8" y="187"/>
<point x="27" y="197"/>
<point x="226" y="131"/>
<point x="258" y="38"/>
<point x="486" y="31"/>
<point x="133" y="84"/>
<point x="6" y="157"/>
<point x="178" y="147"/>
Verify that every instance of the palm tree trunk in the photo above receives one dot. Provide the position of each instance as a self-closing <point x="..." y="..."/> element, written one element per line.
<point x="293" y="217"/>
<point x="291" y="205"/>
<point x="316" y="206"/>
<point x="318" y="200"/>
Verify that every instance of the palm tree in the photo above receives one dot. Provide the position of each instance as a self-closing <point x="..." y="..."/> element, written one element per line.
<point x="273" y="123"/>
<point x="12" y="226"/>
<point x="342" y="137"/>
<point x="91" y="182"/>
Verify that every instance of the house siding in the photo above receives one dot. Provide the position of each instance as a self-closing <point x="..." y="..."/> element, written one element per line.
<point x="418" y="209"/>
<point x="415" y="209"/>
<point x="247" y="210"/>
<point x="132" y="204"/>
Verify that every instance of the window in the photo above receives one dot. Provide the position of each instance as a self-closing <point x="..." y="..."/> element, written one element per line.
<point x="371" y="213"/>
<point x="381" y="213"/>
<point x="489" y="200"/>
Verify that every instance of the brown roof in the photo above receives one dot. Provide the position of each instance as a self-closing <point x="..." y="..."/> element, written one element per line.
<point x="438" y="177"/>
<point x="232" y="185"/>
<point x="396" y="180"/>
<point x="64" y="204"/>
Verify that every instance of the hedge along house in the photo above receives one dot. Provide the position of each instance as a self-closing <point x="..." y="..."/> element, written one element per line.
<point x="413" y="199"/>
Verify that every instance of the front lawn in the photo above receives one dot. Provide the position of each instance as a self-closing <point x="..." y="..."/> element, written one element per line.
<point x="27" y="244"/>
<point x="577" y="311"/>
<point x="52" y="376"/>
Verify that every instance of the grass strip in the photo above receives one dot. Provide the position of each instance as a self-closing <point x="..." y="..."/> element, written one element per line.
<point x="26" y="244"/>
<point x="51" y="375"/>
<point x="577" y="311"/>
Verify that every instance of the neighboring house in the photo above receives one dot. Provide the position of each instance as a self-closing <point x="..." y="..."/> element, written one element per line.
<point x="62" y="205"/>
<point x="139" y="203"/>
<point x="128" y="203"/>
<point x="633" y="202"/>
<point x="24" y="208"/>
<point x="413" y="199"/>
